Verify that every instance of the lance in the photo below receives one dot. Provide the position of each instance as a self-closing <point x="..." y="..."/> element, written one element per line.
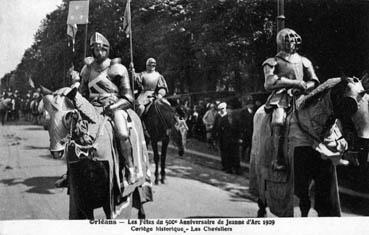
<point x="280" y="15"/>
<point x="128" y="22"/>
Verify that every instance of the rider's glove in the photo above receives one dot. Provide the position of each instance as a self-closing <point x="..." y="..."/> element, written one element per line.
<point x="107" y="110"/>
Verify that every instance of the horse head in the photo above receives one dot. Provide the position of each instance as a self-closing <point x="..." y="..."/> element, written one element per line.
<point x="60" y="109"/>
<point x="351" y="105"/>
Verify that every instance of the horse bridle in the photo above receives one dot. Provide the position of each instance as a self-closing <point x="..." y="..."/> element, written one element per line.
<point x="71" y="142"/>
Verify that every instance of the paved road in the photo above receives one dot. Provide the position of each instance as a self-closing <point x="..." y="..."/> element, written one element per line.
<point x="195" y="187"/>
<point x="27" y="176"/>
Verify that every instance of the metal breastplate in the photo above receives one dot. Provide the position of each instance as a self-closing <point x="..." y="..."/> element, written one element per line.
<point x="100" y="84"/>
<point x="290" y="68"/>
<point x="150" y="80"/>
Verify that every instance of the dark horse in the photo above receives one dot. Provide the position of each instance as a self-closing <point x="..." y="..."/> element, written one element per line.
<point x="313" y="146"/>
<point x="159" y="118"/>
<point x="96" y="173"/>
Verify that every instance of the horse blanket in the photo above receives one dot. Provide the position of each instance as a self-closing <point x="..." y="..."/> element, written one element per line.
<point x="101" y="125"/>
<point x="276" y="188"/>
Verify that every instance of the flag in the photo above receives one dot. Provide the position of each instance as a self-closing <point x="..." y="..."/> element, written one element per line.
<point x="72" y="31"/>
<point x="78" y="12"/>
<point x="31" y="83"/>
<point x="127" y="19"/>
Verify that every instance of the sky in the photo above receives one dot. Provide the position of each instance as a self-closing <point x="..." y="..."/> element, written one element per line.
<point x="19" y="21"/>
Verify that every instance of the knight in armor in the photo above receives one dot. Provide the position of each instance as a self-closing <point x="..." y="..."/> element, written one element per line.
<point x="105" y="83"/>
<point x="151" y="84"/>
<point x="287" y="75"/>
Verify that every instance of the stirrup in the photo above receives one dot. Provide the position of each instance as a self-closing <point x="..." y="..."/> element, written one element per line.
<point x="62" y="182"/>
<point x="132" y="176"/>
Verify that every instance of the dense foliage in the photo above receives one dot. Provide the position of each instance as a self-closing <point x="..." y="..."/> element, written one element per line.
<point x="201" y="44"/>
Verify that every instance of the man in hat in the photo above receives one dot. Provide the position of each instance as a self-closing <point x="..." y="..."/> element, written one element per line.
<point x="227" y="137"/>
<point x="105" y="83"/>
<point x="151" y="83"/>
<point x="208" y="120"/>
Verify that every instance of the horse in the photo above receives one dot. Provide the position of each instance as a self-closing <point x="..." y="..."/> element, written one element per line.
<point x="5" y="105"/>
<point x="95" y="172"/>
<point x="160" y="117"/>
<point x="313" y="146"/>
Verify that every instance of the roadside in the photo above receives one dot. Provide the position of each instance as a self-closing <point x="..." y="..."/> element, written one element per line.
<point x="200" y="151"/>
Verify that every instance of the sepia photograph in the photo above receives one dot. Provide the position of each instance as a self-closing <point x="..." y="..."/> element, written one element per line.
<point x="184" y="116"/>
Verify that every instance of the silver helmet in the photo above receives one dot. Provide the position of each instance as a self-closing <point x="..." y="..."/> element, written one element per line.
<point x="97" y="39"/>
<point x="288" y="40"/>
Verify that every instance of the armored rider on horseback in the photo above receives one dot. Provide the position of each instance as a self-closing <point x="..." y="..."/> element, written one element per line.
<point x="105" y="83"/>
<point x="287" y="75"/>
<point x="151" y="83"/>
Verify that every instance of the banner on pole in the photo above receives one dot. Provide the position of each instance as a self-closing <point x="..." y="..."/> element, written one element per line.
<point x="72" y="31"/>
<point x="78" y="12"/>
<point x="127" y="19"/>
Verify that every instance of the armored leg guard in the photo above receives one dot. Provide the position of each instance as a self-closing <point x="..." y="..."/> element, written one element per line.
<point x="279" y="162"/>
<point x="126" y="153"/>
<point x="62" y="182"/>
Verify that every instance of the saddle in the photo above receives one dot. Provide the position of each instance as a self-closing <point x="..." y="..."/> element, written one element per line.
<point x="310" y="124"/>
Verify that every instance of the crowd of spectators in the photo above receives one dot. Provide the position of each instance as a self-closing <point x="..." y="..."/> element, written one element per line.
<point x="21" y="102"/>
<point x="201" y="118"/>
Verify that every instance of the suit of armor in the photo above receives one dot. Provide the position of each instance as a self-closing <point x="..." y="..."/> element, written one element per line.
<point x="151" y="83"/>
<point x="287" y="74"/>
<point x="105" y="83"/>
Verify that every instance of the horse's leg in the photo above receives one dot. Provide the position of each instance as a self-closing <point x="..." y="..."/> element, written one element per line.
<point x="124" y="209"/>
<point x="262" y="209"/>
<point x="305" y="205"/>
<point x="164" y="147"/>
<point x="326" y="189"/>
<point x="109" y="201"/>
<point x="107" y="211"/>
<point x="75" y="211"/>
<point x="141" y="212"/>
<point x="303" y="170"/>
<point x="154" y="145"/>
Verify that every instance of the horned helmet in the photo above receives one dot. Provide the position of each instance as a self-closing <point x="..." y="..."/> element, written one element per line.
<point x="288" y="40"/>
<point x="99" y="41"/>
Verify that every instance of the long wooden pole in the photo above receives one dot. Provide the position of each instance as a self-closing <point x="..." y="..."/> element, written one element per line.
<point x="131" y="49"/>
<point x="280" y="15"/>
<point x="85" y="43"/>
